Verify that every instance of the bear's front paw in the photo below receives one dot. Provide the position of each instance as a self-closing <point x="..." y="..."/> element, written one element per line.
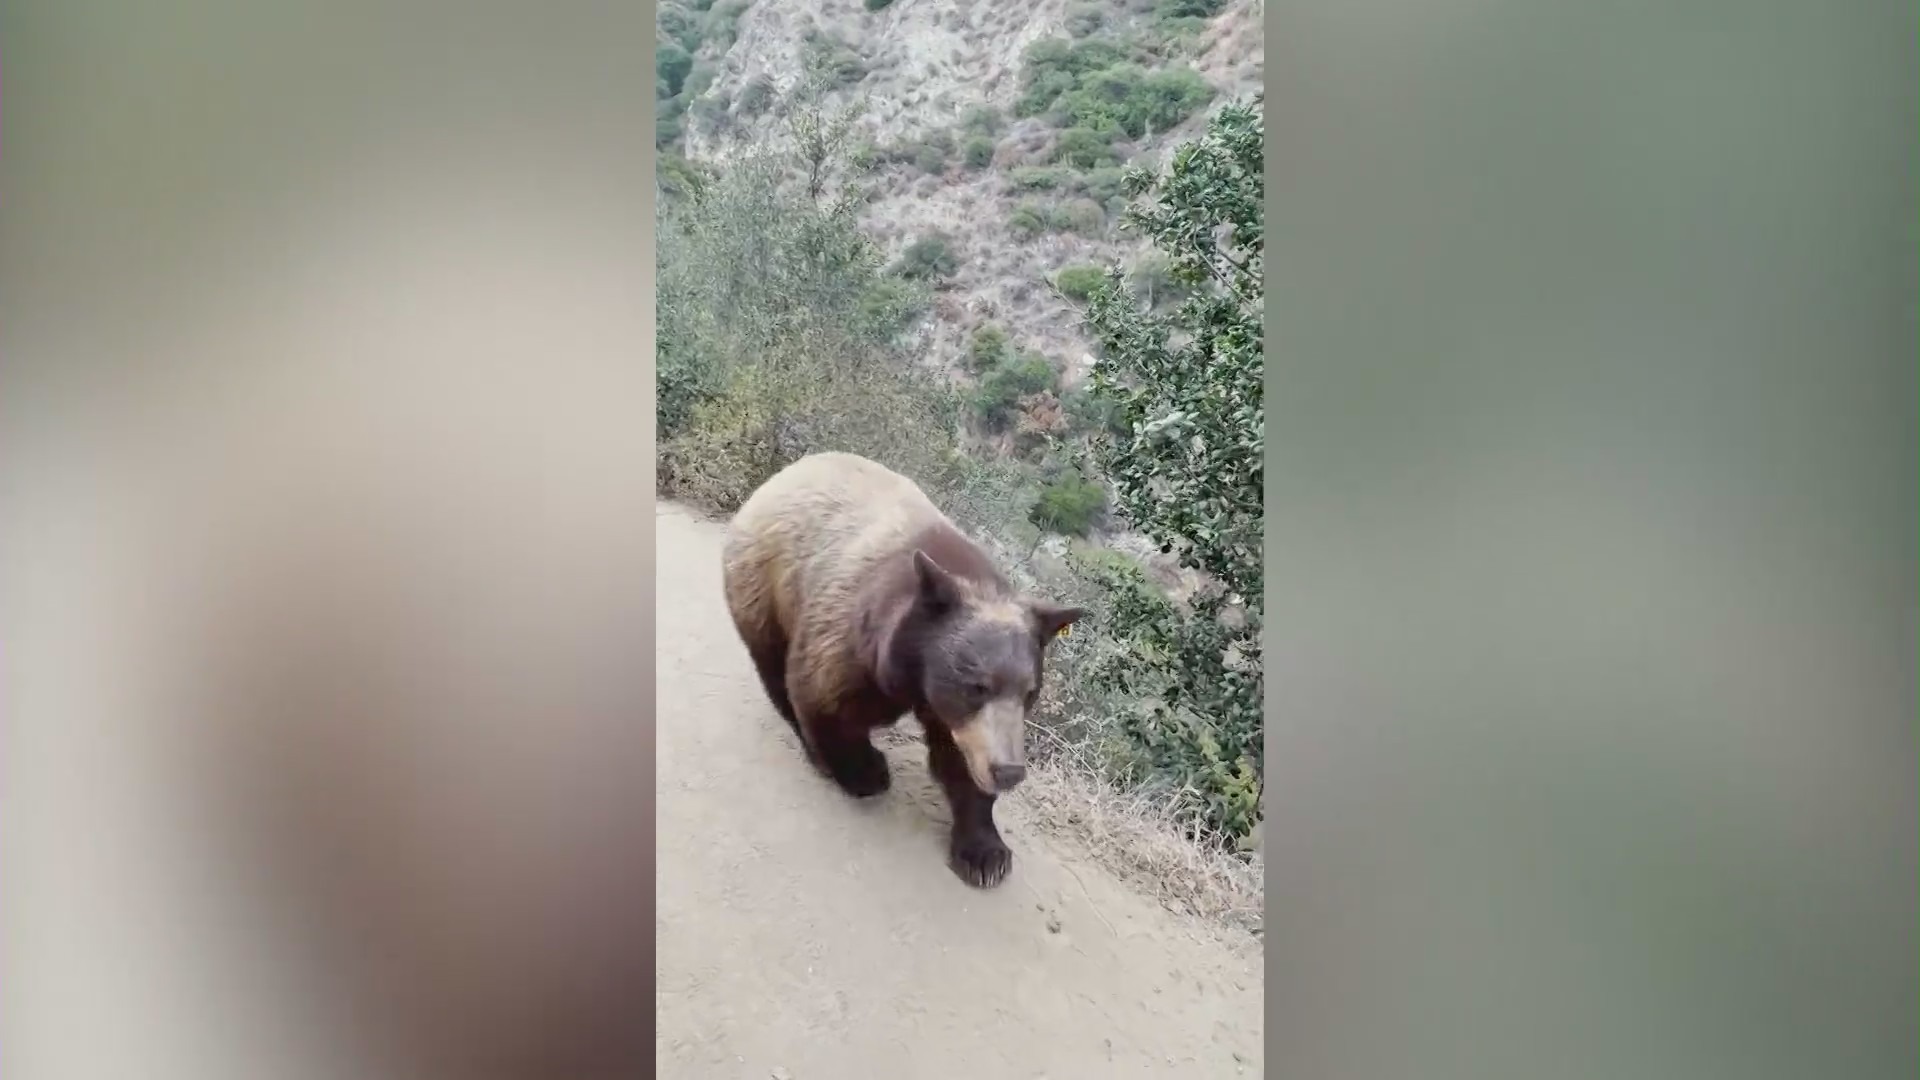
<point x="981" y="859"/>
<point x="859" y="768"/>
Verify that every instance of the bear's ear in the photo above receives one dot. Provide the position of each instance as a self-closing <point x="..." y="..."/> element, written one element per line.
<point x="939" y="590"/>
<point x="1051" y="620"/>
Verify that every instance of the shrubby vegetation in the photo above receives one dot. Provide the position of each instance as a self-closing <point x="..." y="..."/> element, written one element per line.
<point x="1033" y="217"/>
<point x="1099" y="85"/>
<point x="681" y="31"/>
<point x="929" y="258"/>
<point x="1079" y="282"/>
<point x="1188" y="470"/>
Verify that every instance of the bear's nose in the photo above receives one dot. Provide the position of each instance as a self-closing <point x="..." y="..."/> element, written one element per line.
<point x="1008" y="777"/>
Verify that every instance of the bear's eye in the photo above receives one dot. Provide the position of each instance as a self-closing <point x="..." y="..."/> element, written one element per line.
<point x="976" y="689"/>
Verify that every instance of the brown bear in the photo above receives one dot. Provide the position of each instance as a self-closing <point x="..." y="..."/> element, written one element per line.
<point x="859" y="601"/>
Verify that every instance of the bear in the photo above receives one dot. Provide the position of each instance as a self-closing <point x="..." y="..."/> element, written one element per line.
<point x="858" y="602"/>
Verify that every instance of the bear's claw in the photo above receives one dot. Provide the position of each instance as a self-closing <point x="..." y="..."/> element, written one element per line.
<point x="981" y="860"/>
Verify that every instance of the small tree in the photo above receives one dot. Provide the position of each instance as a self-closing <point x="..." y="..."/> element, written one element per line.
<point x="818" y="134"/>
<point x="1188" y="468"/>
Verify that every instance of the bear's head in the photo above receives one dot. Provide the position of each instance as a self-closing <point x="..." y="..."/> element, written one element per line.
<point x="970" y="656"/>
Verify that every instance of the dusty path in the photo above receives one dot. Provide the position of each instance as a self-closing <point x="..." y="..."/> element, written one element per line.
<point x="805" y="935"/>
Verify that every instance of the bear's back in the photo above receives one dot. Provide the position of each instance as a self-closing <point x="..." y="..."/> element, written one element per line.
<point x="804" y="544"/>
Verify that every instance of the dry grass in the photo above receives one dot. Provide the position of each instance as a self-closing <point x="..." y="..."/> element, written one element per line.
<point x="1139" y="841"/>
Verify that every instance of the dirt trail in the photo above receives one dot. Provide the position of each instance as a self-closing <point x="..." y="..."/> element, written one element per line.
<point x="803" y="934"/>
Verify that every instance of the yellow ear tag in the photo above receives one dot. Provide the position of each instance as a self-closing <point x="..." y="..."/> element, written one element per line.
<point x="1064" y="631"/>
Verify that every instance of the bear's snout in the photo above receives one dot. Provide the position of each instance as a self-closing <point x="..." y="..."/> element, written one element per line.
<point x="1008" y="777"/>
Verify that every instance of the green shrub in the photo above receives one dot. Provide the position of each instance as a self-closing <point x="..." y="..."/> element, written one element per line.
<point x="680" y="27"/>
<point x="1090" y="414"/>
<point x="981" y="120"/>
<point x="1099" y="84"/>
<point x="1016" y="375"/>
<point x="1070" y="506"/>
<point x="773" y="331"/>
<point x="977" y="152"/>
<point x="864" y="156"/>
<point x="699" y="79"/>
<point x="756" y="96"/>
<point x="1188" y="469"/>
<point x="711" y="111"/>
<point x="1028" y="219"/>
<point x="1032" y="218"/>
<point x="929" y="258"/>
<point x="677" y="175"/>
<point x="671" y="64"/>
<point x="825" y="52"/>
<point x="987" y="348"/>
<point x="1187" y="9"/>
<point x="667" y="129"/>
<point x="1104" y="185"/>
<point x="1055" y="66"/>
<point x="1084" y="148"/>
<point x="1135" y="101"/>
<point x="930" y="159"/>
<point x="1079" y="282"/>
<point x="887" y="306"/>
<point x="723" y="22"/>
<point x="1041" y="177"/>
<point x="1083" y="216"/>
<point x="878" y="5"/>
<point x="929" y="152"/>
<point x="1154" y="282"/>
<point x="1084" y="19"/>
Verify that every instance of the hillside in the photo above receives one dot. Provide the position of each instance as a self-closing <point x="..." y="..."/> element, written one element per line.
<point x="932" y="75"/>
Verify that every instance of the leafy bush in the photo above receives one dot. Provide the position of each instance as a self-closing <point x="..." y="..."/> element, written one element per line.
<point x="1032" y="218"/>
<point x="679" y="26"/>
<point x="977" y="152"/>
<point x="1085" y="18"/>
<point x="756" y="96"/>
<point x="1041" y="177"/>
<point x="677" y="176"/>
<point x="1133" y="100"/>
<point x="1098" y="84"/>
<point x="667" y="128"/>
<point x="1028" y="219"/>
<point x="981" y="120"/>
<point x="929" y="158"/>
<point x="1079" y="282"/>
<point x="699" y="79"/>
<point x="723" y="22"/>
<point x="1084" y="148"/>
<point x="1104" y="185"/>
<point x="928" y="258"/>
<point x="1154" y="282"/>
<point x="988" y="346"/>
<point x="774" y="339"/>
<point x="824" y="51"/>
<point x="1055" y="66"/>
<point x="1083" y="216"/>
<point x="1071" y="506"/>
<point x="929" y="152"/>
<point x="878" y="5"/>
<point x="1016" y="376"/>
<point x="1091" y="414"/>
<point x="1187" y="9"/>
<point x="671" y="64"/>
<point x="1187" y="470"/>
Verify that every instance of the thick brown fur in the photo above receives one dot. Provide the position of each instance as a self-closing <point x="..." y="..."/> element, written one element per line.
<point x="859" y="601"/>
